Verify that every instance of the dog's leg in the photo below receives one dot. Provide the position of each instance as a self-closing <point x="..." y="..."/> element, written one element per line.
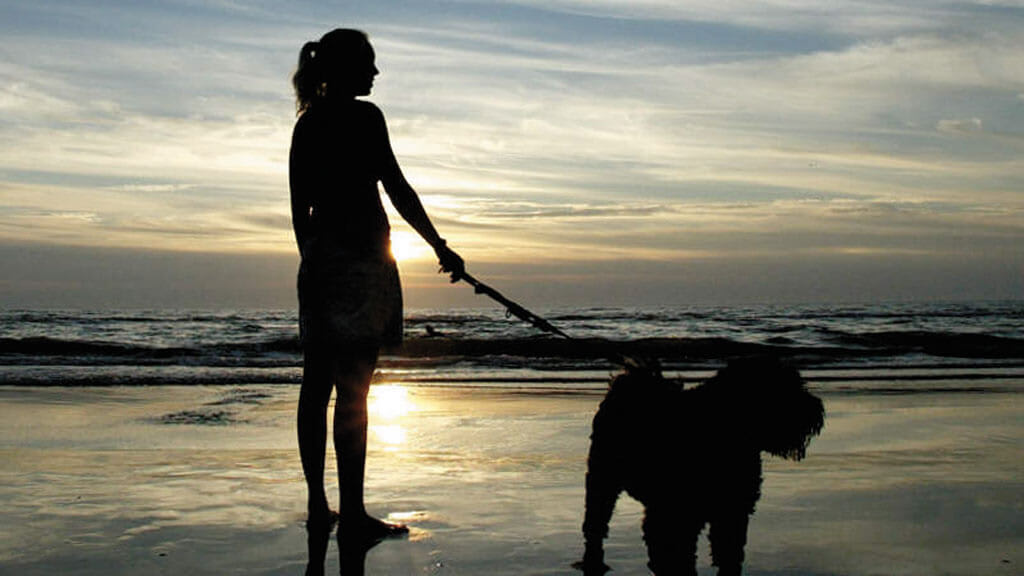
<point x="603" y="485"/>
<point x="728" y="536"/>
<point x="671" y="539"/>
<point x="603" y="489"/>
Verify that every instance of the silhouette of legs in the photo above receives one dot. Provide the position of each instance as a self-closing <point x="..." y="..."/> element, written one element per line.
<point x="312" y="428"/>
<point x="349" y="372"/>
<point x="603" y="486"/>
<point x="728" y="536"/>
<point x="671" y="540"/>
<point x="353" y="374"/>
<point x="351" y="552"/>
<point x="316" y="542"/>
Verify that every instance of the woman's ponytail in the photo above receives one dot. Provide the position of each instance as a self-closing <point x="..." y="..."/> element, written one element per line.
<point x="308" y="79"/>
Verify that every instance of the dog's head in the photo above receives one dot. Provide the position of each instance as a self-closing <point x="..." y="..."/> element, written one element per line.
<point x="772" y="400"/>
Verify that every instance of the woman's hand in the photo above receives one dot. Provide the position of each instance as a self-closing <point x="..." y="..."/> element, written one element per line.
<point x="451" y="263"/>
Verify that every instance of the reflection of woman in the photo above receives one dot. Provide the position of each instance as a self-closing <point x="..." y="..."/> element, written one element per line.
<point x="350" y="301"/>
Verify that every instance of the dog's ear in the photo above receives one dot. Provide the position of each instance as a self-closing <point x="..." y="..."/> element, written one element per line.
<point x="788" y="432"/>
<point x="775" y="402"/>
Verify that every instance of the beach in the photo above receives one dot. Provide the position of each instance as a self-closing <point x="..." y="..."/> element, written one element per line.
<point x="206" y="480"/>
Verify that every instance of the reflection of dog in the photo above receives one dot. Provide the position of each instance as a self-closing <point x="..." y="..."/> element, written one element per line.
<point x="693" y="457"/>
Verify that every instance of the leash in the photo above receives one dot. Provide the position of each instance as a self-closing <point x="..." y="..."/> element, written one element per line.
<point x="514" y="309"/>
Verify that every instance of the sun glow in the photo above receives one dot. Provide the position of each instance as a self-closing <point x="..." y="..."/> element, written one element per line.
<point x="407" y="246"/>
<point x="391" y="435"/>
<point x="389" y="402"/>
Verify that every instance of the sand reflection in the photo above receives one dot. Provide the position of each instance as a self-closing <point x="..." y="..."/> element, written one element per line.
<point x="388" y="404"/>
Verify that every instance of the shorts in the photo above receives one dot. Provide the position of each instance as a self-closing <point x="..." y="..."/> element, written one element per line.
<point x="350" y="301"/>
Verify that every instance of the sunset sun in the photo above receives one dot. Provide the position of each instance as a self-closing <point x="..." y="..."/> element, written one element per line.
<point x="407" y="246"/>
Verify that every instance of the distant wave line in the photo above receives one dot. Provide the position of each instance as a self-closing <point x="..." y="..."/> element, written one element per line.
<point x="257" y="377"/>
<point x="844" y="345"/>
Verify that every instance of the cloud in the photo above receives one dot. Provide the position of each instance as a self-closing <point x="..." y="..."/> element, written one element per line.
<point x="970" y="125"/>
<point x="844" y="121"/>
<point x="600" y="130"/>
<point x="859" y="17"/>
<point x="482" y="208"/>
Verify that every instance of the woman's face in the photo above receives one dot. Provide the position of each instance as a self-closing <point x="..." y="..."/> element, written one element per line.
<point x="371" y="70"/>
<point x="356" y="77"/>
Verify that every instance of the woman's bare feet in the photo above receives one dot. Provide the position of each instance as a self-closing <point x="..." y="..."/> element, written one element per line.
<point x="321" y="517"/>
<point x="370" y="529"/>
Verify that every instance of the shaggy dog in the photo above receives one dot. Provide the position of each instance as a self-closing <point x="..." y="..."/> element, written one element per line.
<point x="692" y="457"/>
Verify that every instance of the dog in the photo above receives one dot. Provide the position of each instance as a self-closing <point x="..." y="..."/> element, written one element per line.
<point x="692" y="457"/>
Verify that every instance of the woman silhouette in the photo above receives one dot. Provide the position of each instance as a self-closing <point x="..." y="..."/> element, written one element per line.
<point x="350" y="300"/>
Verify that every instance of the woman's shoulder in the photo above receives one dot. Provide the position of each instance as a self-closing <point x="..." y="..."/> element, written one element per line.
<point x="368" y="110"/>
<point x="357" y="118"/>
<point x="359" y="110"/>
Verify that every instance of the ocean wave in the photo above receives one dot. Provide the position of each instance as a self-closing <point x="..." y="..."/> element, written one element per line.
<point x="944" y="344"/>
<point x="285" y="351"/>
<point x="86" y="318"/>
<point x="46" y="350"/>
<point x="1007" y="311"/>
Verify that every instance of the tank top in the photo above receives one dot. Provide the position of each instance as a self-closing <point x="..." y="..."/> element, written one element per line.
<point x="337" y="152"/>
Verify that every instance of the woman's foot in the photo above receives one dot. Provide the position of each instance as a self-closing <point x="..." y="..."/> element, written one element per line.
<point x="370" y="529"/>
<point x="321" y="517"/>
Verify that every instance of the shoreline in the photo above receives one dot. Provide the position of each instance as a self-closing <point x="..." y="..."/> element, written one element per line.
<point x="1000" y="377"/>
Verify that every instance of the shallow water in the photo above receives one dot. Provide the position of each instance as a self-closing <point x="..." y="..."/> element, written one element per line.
<point x="101" y="481"/>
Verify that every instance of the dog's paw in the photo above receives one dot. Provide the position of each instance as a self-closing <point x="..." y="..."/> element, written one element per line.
<point x="591" y="568"/>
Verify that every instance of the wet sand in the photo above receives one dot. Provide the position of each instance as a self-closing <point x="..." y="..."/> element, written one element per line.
<point x="206" y="480"/>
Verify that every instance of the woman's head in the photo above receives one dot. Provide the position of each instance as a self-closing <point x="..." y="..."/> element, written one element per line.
<point x="339" y="65"/>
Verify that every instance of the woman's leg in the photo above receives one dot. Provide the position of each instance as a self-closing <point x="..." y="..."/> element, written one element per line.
<point x="312" y="427"/>
<point x="354" y="370"/>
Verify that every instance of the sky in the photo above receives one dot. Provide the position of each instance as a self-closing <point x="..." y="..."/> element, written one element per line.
<point x="642" y="152"/>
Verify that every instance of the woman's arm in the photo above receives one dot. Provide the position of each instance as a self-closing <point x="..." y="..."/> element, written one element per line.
<point x="299" y="181"/>
<point x="408" y="204"/>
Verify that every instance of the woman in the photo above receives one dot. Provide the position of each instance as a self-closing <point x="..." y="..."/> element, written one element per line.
<point x="350" y="301"/>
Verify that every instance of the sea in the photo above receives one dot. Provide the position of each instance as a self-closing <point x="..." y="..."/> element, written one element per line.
<point x="878" y="347"/>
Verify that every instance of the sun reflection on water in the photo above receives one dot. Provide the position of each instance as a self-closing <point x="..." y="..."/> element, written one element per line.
<point x="392" y="435"/>
<point x="387" y="404"/>
<point x="389" y="401"/>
